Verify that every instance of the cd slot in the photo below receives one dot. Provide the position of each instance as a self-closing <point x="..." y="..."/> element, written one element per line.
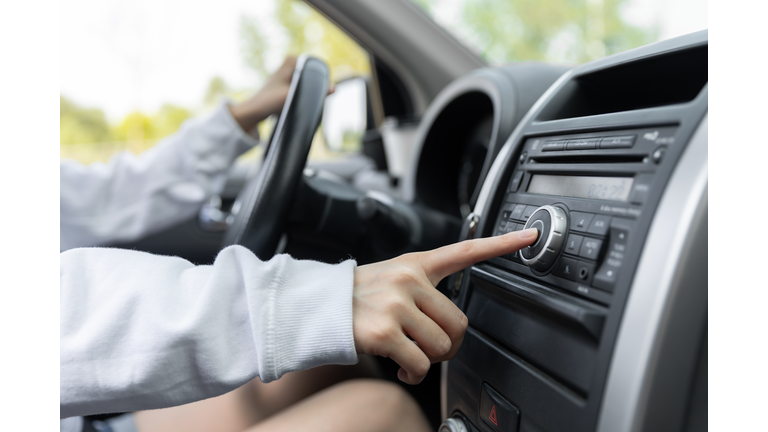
<point x="589" y="159"/>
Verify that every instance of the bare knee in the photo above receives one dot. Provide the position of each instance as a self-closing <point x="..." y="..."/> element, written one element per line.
<point x="361" y="405"/>
<point x="384" y="405"/>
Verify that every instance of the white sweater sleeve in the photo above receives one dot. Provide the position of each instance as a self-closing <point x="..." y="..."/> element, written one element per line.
<point x="140" y="331"/>
<point x="131" y="196"/>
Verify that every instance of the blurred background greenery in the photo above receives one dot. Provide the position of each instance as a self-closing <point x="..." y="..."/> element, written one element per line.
<point x="559" y="31"/>
<point x="565" y="31"/>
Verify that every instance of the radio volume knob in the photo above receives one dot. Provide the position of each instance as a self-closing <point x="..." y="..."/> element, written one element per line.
<point x="552" y="224"/>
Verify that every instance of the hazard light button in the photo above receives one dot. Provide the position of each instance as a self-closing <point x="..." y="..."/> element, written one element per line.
<point x="498" y="413"/>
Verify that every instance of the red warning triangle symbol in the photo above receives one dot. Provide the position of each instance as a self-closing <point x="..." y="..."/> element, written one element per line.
<point x="492" y="416"/>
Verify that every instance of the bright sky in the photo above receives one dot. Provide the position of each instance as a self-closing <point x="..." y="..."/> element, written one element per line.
<point x="122" y="55"/>
<point x="675" y="17"/>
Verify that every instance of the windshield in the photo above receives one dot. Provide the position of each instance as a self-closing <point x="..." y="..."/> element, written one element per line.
<point x="563" y="31"/>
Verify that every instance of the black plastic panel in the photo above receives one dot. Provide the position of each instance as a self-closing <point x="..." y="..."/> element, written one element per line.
<point x="547" y="340"/>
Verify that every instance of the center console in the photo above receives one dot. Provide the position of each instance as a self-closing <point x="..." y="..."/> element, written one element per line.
<point x="598" y="325"/>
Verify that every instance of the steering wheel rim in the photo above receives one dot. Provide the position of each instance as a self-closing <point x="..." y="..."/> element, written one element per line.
<point x="262" y="207"/>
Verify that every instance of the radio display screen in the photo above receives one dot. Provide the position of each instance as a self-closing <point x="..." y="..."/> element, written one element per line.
<point x="602" y="188"/>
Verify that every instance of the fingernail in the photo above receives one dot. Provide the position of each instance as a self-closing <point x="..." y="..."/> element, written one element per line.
<point x="530" y="233"/>
<point x="402" y="375"/>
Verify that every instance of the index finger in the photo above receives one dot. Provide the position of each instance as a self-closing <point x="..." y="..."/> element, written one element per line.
<point x="441" y="262"/>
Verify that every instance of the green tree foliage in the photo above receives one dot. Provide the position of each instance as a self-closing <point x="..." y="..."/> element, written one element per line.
<point x="168" y="119"/>
<point x="253" y="45"/>
<point x="306" y="31"/>
<point x="81" y="125"/>
<point x="217" y="89"/>
<point x="85" y="134"/>
<point x="312" y="33"/>
<point x="571" y="31"/>
<point x="138" y="126"/>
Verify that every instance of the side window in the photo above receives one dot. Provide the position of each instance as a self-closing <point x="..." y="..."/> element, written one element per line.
<point x="132" y="73"/>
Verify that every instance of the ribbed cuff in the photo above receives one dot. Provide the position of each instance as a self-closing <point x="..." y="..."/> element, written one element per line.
<point x="311" y="317"/>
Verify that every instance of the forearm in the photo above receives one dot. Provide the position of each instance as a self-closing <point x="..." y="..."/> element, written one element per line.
<point x="140" y="331"/>
<point x="133" y="195"/>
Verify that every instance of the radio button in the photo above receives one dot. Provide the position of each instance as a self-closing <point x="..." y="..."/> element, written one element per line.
<point x="543" y="223"/>
<point x="606" y="277"/>
<point x="590" y="248"/>
<point x="658" y="154"/>
<point x="506" y="213"/>
<point x="599" y="225"/>
<point x="582" y="144"/>
<point x="566" y="268"/>
<point x="619" y="237"/>
<point x="503" y="219"/>
<point x="552" y="223"/>
<point x="517" y="213"/>
<point x="573" y="245"/>
<point x="641" y="188"/>
<point x="498" y="414"/>
<point x="617" y="142"/>
<point x="581" y="221"/>
<point x="528" y="212"/>
<point x="553" y="146"/>
<point x="514" y="185"/>
<point x="577" y="271"/>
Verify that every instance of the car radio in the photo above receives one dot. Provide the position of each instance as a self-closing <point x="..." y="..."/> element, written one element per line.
<point x="584" y="193"/>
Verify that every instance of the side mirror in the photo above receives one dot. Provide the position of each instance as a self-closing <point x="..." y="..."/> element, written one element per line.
<point x="344" y="116"/>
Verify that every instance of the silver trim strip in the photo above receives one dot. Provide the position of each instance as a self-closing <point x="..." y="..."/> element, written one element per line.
<point x="632" y="362"/>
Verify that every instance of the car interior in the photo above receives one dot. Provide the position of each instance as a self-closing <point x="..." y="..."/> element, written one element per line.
<point x="601" y="325"/>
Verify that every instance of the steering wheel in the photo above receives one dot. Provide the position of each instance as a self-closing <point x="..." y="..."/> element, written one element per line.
<point x="262" y="207"/>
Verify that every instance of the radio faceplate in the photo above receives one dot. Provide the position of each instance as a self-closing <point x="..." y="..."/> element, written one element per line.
<point x="603" y="189"/>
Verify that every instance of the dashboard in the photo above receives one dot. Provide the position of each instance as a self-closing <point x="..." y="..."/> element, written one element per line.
<point x="602" y="323"/>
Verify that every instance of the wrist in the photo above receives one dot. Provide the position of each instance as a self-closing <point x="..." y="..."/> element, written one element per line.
<point x="249" y="113"/>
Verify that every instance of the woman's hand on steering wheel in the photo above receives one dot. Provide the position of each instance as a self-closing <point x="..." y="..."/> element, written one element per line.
<point x="268" y="100"/>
